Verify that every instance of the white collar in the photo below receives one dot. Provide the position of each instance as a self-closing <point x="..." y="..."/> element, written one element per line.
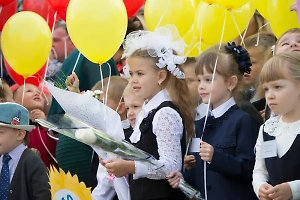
<point x="220" y="110"/>
<point x="275" y="127"/>
<point x="160" y="97"/>
<point x="201" y="111"/>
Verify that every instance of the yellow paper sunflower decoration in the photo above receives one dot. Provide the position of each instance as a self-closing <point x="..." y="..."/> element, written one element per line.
<point x="64" y="186"/>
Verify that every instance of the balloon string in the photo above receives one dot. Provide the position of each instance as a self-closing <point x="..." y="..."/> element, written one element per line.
<point x="102" y="86"/>
<point x="237" y="28"/>
<point x="259" y="30"/>
<point x="48" y="60"/>
<point x="209" y="100"/>
<point x="23" y="92"/>
<point x="75" y="65"/>
<point x="38" y="128"/>
<point x="194" y="46"/>
<point x="163" y="15"/>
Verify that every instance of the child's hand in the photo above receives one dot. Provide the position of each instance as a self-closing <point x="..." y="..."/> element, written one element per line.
<point x="37" y="114"/>
<point x="119" y="167"/>
<point x="37" y="152"/>
<point x="102" y="161"/>
<point x="72" y="83"/>
<point x="174" y="178"/>
<point x="281" y="192"/>
<point x="189" y="162"/>
<point x="206" y="151"/>
<point x="264" y="191"/>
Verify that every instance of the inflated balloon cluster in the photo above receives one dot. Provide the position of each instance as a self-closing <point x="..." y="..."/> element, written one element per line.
<point x="241" y="56"/>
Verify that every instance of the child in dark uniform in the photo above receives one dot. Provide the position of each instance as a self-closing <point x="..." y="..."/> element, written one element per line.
<point x="228" y="135"/>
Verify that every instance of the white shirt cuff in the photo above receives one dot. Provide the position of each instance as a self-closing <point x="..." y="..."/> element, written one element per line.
<point x="141" y="169"/>
<point x="295" y="187"/>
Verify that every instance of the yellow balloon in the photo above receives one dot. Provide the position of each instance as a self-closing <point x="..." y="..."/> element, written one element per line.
<point x="210" y="20"/>
<point x="97" y="27"/>
<point x="280" y="17"/>
<point x="231" y="4"/>
<point x="262" y="7"/>
<point x="195" y="46"/>
<point x="180" y="13"/>
<point x="26" y="42"/>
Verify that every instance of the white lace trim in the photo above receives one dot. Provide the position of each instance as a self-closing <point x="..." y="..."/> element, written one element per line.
<point x="276" y="127"/>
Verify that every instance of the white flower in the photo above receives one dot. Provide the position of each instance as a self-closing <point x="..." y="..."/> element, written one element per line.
<point x="86" y="135"/>
<point x="98" y="92"/>
<point x="89" y="93"/>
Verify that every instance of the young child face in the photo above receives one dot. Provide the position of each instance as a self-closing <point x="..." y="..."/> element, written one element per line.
<point x="288" y="42"/>
<point x="192" y="82"/>
<point x="219" y="92"/>
<point x="10" y="138"/>
<point x="258" y="61"/>
<point x="144" y="78"/>
<point x="32" y="97"/>
<point x="134" y="106"/>
<point x="276" y="93"/>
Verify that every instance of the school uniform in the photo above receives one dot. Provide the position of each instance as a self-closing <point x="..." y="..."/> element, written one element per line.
<point x="283" y="163"/>
<point x="232" y="133"/>
<point x="28" y="175"/>
<point x="154" y="135"/>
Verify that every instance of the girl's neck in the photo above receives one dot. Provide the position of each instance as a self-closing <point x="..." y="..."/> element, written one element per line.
<point x="292" y="116"/>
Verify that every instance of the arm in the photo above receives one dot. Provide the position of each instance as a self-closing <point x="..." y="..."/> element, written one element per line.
<point x="39" y="182"/>
<point x="240" y="165"/>
<point x="168" y="128"/>
<point x="260" y="173"/>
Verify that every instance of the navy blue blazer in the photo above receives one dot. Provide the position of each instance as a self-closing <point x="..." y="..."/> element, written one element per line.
<point x="229" y="175"/>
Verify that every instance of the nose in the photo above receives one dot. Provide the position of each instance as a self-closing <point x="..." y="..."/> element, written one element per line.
<point x="294" y="44"/>
<point x="269" y="95"/>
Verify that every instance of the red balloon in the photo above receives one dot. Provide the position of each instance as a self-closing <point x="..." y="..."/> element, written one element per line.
<point x="59" y="5"/>
<point x="35" y="79"/>
<point x="42" y="8"/>
<point x="62" y="14"/>
<point x="6" y="12"/>
<point x="5" y="2"/>
<point x="133" y="6"/>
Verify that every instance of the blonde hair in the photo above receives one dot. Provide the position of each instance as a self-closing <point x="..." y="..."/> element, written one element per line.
<point x="227" y="67"/>
<point x="178" y="91"/>
<point x="116" y="88"/>
<point x="128" y="90"/>
<point x="282" y="66"/>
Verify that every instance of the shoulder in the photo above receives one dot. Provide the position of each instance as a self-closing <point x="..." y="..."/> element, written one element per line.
<point x="30" y="158"/>
<point x="167" y="112"/>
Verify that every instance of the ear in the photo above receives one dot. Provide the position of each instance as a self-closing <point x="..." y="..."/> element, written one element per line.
<point x="162" y="75"/>
<point x="2" y="100"/>
<point x="232" y="82"/>
<point x="122" y="108"/>
<point x="21" y="135"/>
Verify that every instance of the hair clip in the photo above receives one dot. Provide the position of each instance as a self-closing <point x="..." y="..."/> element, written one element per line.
<point x="241" y="56"/>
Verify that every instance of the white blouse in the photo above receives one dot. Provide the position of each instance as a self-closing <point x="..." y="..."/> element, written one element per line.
<point x="167" y="125"/>
<point x="285" y="134"/>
